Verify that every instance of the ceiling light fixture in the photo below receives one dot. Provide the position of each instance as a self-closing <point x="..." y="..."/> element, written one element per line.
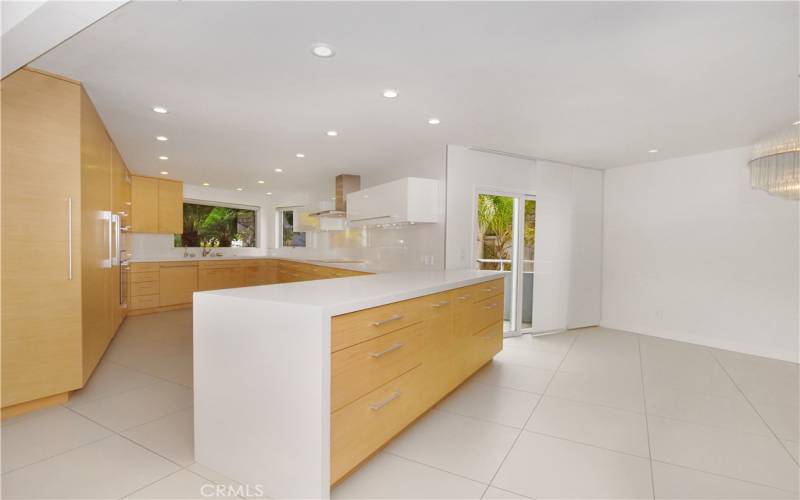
<point x="434" y="121"/>
<point x="279" y="170"/>
<point x="206" y="184"/>
<point x="322" y="50"/>
<point x="269" y="193"/>
<point x="160" y="109"/>
<point x="332" y="133"/>
<point x="796" y="123"/>
<point x="261" y="182"/>
<point x="164" y="172"/>
<point x="163" y="157"/>
<point x="162" y="138"/>
<point x="300" y="155"/>
<point x="390" y="93"/>
<point x="239" y="189"/>
<point x="652" y="151"/>
<point x="775" y="167"/>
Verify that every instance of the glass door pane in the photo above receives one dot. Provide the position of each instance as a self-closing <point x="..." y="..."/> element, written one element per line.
<point x="497" y="246"/>
<point x="528" y="245"/>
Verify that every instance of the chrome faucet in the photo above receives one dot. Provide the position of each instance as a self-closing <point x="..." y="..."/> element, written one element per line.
<point x="206" y="251"/>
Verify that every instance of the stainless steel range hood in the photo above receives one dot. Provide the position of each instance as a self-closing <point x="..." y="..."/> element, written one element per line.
<point x="345" y="184"/>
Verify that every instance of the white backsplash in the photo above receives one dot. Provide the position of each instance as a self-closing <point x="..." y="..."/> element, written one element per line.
<point x="146" y="246"/>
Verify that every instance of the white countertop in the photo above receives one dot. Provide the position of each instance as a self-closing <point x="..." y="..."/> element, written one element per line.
<point x="343" y="295"/>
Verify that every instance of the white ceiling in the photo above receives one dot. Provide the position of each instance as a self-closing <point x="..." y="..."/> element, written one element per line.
<point x="593" y="84"/>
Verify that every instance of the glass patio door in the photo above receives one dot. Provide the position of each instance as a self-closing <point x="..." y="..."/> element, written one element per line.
<point x="505" y="229"/>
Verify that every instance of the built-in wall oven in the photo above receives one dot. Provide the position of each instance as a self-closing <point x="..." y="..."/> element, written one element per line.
<point x="120" y="256"/>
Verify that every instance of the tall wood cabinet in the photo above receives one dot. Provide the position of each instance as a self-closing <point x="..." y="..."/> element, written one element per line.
<point x="58" y="292"/>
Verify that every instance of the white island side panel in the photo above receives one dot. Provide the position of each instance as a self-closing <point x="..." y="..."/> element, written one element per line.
<point x="262" y="393"/>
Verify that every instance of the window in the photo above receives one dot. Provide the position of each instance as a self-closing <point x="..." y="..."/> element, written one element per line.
<point x="287" y="235"/>
<point x="214" y="225"/>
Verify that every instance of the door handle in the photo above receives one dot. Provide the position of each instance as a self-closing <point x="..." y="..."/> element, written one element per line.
<point x="441" y="304"/>
<point x="69" y="238"/>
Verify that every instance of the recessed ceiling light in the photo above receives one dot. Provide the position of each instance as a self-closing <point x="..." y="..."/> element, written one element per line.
<point x="239" y="189"/>
<point x="206" y="184"/>
<point x="796" y="123"/>
<point x="261" y="182"/>
<point x="269" y="193"/>
<point x="434" y="121"/>
<point x="652" y="151"/>
<point x="322" y="50"/>
<point x="390" y="93"/>
<point x="162" y="138"/>
<point x="164" y="172"/>
<point x="160" y="109"/>
<point x="279" y="170"/>
<point x="163" y="157"/>
<point x="300" y="155"/>
<point x="332" y="133"/>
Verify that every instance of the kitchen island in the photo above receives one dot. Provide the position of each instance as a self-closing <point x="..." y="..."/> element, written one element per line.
<point x="297" y="384"/>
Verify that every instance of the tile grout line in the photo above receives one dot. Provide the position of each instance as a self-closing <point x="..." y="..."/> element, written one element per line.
<point x="646" y="419"/>
<point x="45" y="459"/>
<point x="407" y="459"/>
<point x="505" y="457"/>
<point x="774" y="434"/>
<point x="151" y="483"/>
<point x="717" y="474"/>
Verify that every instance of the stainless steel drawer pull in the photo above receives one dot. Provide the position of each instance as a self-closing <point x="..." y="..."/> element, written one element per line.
<point x="489" y="289"/>
<point x="394" y="347"/>
<point x="490" y="306"/>
<point x="441" y="304"/>
<point x="387" y="320"/>
<point x="463" y="297"/>
<point x="377" y="406"/>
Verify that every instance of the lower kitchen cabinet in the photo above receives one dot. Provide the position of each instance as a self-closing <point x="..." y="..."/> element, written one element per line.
<point x="177" y="283"/>
<point x="217" y="278"/>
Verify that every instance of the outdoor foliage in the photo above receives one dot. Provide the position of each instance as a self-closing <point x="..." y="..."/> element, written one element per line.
<point x="496" y="227"/>
<point x="207" y="225"/>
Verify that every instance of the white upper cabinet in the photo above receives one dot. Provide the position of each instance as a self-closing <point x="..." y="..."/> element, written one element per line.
<point x="407" y="200"/>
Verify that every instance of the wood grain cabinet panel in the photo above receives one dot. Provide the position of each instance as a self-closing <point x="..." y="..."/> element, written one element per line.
<point x="220" y="278"/>
<point x="170" y="207"/>
<point x="144" y="204"/>
<point x="177" y="284"/>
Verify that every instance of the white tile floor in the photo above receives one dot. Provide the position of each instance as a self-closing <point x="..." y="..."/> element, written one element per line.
<point x="593" y="413"/>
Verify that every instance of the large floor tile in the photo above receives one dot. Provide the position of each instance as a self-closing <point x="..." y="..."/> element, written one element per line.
<point x="602" y="426"/>
<point x="547" y="467"/>
<point x="511" y="376"/>
<point x="731" y="412"/>
<point x="230" y="484"/>
<point x="43" y="434"/>
<point x="763" y="380"/>
<point x="183" y="485"/>
<point x="462" y="445"/>
<point x="606" y="389"/>
<point x="389" y="476"/>
<point x="592" y="359"/>
<point x="110" y="379"/>
<point x="783" y="420"/>
<point x="110" y="468"/>
<point x="493" y="493"/>
<point x="529" y="356"/>
<point x="672" y="482"/>
<point x="138" y="406"/>
<point x="750" y="457"/>
<point x="171" y="437"/>
<point x="794" y="449"/>
<point x="495" y="404"/>
<point x="697" y="373"/>
<point x="558" y="343"/>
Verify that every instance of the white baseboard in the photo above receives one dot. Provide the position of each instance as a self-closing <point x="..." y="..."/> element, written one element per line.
<point x="717" y="343"/>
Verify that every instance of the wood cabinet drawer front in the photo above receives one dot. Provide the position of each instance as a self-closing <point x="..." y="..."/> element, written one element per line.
<point x="483" y="346"/>
<point x="144" y="288"/>
<point x="469" y="319"/>
<point x="144" y="301"/>
<point x="352" y="328"/>
<point x="363" y="367"/>
<point x="365" y="425"/>
<point x="144" y="267"/>
<point x="143" y="277"/>
<point x="463" y="297"/>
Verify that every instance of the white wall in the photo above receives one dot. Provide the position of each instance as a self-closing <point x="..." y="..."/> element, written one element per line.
<point x="567" y="269"/>
<point x="692" y="253"/>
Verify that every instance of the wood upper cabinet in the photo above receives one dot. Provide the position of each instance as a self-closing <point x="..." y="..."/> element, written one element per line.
<point x="157" y="205"/>
<point x="178" y="281"/>
<point x="144" y="204"/>
<point x="170" y="207"/>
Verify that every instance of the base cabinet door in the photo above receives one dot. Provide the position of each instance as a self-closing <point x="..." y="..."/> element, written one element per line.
<point x="177" y="284"/>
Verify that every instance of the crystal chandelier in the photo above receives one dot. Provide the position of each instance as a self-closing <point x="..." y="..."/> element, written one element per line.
<point x="775" y="166"/>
